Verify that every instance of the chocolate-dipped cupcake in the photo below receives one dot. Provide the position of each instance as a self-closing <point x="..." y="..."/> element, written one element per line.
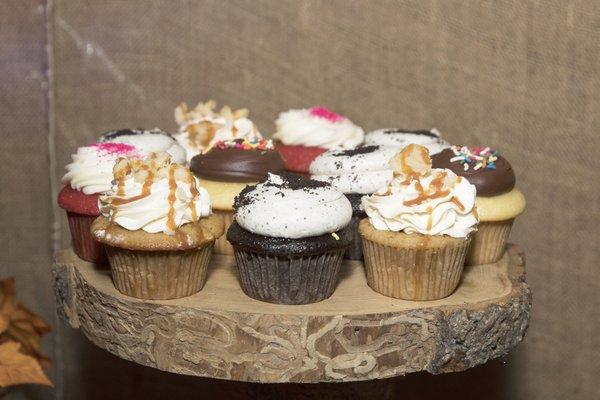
<point x="289" y="238"/>
<point x="356" y="172"/>
<point x="227" y="168"/>
<point x="400" y="138"/>
<point x="498" y="201"/>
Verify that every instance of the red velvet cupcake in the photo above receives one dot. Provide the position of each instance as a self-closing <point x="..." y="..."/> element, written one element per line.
<point x="304" y="134"/>
<point x="91" y="174"/>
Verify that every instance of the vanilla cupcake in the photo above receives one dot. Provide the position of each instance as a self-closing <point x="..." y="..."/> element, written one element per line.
<point x="498" y="201"/>
<point x="157" y="228"/>
<point x="355" y="172"/>
<point x="289" y="238"/>
<point x="202" y="127"/>
<point x="418" y="230"/>
<point x="304" y="134"/>
<point x="400" y="138"/>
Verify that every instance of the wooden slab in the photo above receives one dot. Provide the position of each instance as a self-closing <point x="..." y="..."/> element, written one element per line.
<point x="357" y="334"/>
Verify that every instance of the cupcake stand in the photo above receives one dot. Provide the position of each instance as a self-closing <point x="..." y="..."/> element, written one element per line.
<point x="355" y="335"/>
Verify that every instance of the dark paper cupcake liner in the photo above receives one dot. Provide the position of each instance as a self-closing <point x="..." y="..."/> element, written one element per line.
<point x="159" y="275"/>
<point x="288" y="280"/>
<point x="354" y="251"/>
<point x="84" y="244"/>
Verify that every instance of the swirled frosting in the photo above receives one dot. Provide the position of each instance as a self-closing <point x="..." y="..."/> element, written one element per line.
<point x="154" y="195"/>
<point x="402" y="137"/>
<point x="291" y="207"/>
<point x="202" y="127"/>
<point x="317" y="127"/>
<point x="423" y="200"/>
<point x="362" y="170"/>
<point x="91" y="168"/>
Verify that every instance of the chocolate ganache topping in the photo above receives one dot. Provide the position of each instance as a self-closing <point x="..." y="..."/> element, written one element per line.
<point x="240" y="160"/>
<point x="491" y="173"/>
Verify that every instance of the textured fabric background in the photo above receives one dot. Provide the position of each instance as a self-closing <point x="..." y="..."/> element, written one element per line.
<point x="521" y="76"/>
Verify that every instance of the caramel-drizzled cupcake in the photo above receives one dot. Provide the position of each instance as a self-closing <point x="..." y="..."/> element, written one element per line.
<point x="418" y="229"/>
<point x="498" y="201"/>
<point x="157" y="228"/>
<point x="202" y="127"/>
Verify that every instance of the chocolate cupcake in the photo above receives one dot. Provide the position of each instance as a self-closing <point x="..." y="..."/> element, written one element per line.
<point x="498" y="201"/>
<point x="356" y="172"/>
<point x="400" y="138"/>
<point x="289" y="238"/>
<point x="227" y="168"/>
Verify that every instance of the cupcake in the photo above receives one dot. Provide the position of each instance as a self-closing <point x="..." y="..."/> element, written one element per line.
<point x="202" y="127"/>
<point x="418" y="229"/>
<point x="355" y="172"/>
<point x="304" y="134"/>
<point x="498" y="201"/>
<point x="90" y="174"/>
<point x="157" y="228"/>
<point x="400" y="138"/>
<point x="289" y="237"/>
<point x="227" y="167"/>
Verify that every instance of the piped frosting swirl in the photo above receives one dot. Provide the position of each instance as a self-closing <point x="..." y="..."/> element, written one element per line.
<point x="400" y="138"/>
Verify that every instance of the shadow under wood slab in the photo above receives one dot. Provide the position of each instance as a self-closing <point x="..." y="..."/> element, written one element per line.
<point x="357" y="334"/>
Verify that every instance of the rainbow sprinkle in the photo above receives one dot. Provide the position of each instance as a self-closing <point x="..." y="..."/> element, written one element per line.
<point x="325" y="113"/>
<point x="478" y="157"/>
<point x="245" y="144"/>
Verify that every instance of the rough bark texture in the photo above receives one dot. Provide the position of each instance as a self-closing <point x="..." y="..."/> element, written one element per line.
<point x="309" y="343"/>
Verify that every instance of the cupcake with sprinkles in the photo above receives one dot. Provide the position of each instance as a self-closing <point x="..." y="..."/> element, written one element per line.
<point x="400" y="138"/>
<point x="304" y="134"/>
<point x="498" y="201"/>
<point x="289" y="236"/>
<point x="90" y="174"/>
<point x="418" y="229"/>
<point x="157" y="227"/>
<point x="227" y="167"/>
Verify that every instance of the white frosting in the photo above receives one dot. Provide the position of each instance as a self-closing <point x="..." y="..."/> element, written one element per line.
<point x="92" y="169"/>
<point x="357" y="173"/>
<point x="151" y="212"/>
<point x="301" y="128"/>
<point x="226" y="129"/>
<point x="434" y="216"/>
<point x="400" y="139"/>
<point x="283" y="212"/>
<point x="151" y="141"/>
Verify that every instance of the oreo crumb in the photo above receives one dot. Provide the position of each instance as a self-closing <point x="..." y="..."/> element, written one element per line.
<point x="356" y="151"/>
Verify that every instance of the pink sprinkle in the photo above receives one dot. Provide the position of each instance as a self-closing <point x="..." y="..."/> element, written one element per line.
<point x="329" y="115"/>
<point x="114" y="148"/>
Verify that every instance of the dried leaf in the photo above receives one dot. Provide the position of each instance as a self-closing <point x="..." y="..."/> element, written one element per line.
<point x="17" y="368"/>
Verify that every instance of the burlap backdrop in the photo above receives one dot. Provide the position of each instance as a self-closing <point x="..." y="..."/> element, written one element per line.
<point x="519" y="76"/>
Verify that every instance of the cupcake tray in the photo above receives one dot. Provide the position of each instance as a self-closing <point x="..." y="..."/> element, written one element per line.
<point x="356" y="334"/>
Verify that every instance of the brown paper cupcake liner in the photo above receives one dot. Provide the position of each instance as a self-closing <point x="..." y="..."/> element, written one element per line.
<point x="84" y="244"/>
<point x="489" y="242"/>
<point x="414" y="273"/>
<point x="354" y="251"/>
<point x="288" y="280"/>
<point x="222" y="246"/>
<point x="157" y="275"/>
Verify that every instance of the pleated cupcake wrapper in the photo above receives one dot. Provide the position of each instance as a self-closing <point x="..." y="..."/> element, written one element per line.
<point x="414" y="273"/>
<point x="489" y="242"/>
<point x="222" y="245"/>
<point x="355" y="251"/>
<point x="288" y="280"/>
<point x="84" y="244"/>
<point x="156" y="275"/>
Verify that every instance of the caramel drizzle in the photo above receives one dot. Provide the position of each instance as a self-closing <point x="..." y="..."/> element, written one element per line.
<point x="460" y="205"/>
<point x="145" y="189"/>
<point x="172" y="188"/>
<point x="409" y="173"/>
<point x="436" y="184"/>
<point x="201" y="134"/>
<point x="195" y="197"/>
